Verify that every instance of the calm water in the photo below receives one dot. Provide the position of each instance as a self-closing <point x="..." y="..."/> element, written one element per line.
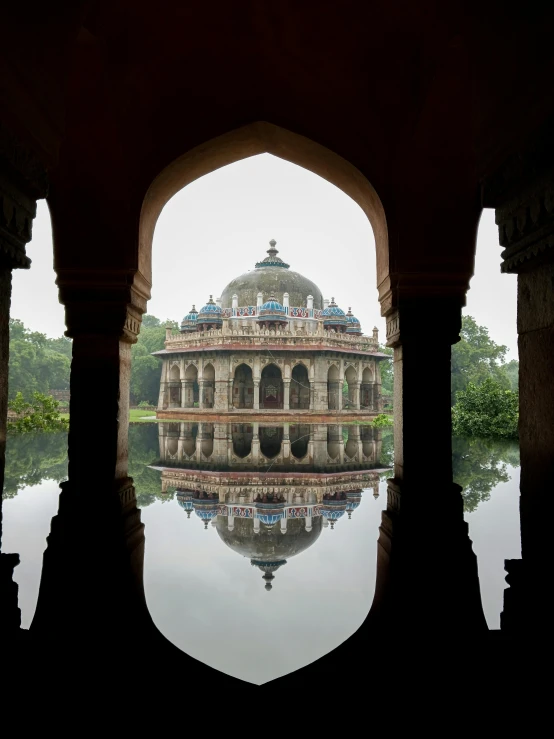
<point x="261" y="549"/>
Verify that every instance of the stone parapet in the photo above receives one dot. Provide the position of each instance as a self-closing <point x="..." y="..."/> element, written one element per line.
<point x="256" y="338"/>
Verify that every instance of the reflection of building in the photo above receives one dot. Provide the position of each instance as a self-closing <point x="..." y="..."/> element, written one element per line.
<point x="269" y="490"/>
<point x="270" y="343"/>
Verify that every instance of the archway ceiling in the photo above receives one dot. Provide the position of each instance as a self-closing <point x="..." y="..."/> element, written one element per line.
<point x="420" y="97"/>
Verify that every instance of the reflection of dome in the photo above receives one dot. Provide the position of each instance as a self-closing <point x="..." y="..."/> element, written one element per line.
<point x="271" y="274"/>
<point x="210" y="313"/>
<point x="206" y="510"/>
<point x="353" y="326"/>
<point x="185" y="501"/>
<point x="190" y="321"/>
<point x="268" y="568"/>
<point x="269" y="545"/>
<point x="334" y="316"/>
<point x="332" y="510"/>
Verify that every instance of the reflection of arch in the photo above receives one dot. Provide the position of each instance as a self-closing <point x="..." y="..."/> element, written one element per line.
<point x="207" y="439"/>
<point x="174" y="386"/>
<point x="243" y="387"/>
<point x="191" y="386"/>
<point x="300" y="388"/>
<point x="190" y="432"/>
<point x="351" y="446"/>
<point x="172" y="446"/>
<point x="242" y="439"/>
<point x="271" y="387"/>
<point x="208" y="384"/>
<point x="270" y="440"/>
<point x="299" y="439"/>
<point x="334" y="441"/>
<point x="333" y="388"/>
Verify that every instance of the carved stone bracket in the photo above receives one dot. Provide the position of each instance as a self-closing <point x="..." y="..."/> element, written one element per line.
<point x="526" y="226"/>
<point x="23" y="180"/>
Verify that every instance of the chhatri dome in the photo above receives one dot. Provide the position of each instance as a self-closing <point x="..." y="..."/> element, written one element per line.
<point x="271" y="275"/>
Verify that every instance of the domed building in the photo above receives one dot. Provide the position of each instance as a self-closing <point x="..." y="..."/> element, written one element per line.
<point x="270" y="343"/>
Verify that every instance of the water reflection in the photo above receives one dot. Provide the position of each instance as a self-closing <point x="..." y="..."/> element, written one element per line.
<point x="269" y="490"/>
<point x="235" y="510"/>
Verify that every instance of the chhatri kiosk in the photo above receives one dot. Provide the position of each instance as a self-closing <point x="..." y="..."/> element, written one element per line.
<point x="270" y="343"/>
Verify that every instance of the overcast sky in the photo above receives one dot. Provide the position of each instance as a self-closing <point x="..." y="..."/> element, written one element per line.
<point x="219" y="226"/>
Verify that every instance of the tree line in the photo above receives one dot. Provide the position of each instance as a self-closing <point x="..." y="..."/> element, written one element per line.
<point x="484" y="386"/>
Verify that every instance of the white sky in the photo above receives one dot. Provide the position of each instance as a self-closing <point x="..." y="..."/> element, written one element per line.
<point x="219" y="226"/>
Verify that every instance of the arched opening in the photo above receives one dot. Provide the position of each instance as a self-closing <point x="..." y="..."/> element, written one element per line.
<point x="300" y="388"/>
<point x="299" y="439"/>
<point x="207" y="386"/>
<point x="333" y="388"/>
<point x="174" y="386"/>
<point x="350" y="389"/>
<point x="243" y="387"/>
<point x="242" y="439"/>
<point x="366" y="389"/>
<point x="271" y="387"/>
<point x="191" y="386"/>
<point x="271" y="438"/>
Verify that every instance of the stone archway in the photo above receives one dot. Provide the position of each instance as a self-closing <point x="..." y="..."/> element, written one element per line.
<point x="300" y="388"/>
<point x="333" y="388"/>
<point x="243" y="387"/>
<point x="174" y="388"/>
<point x="271" y="387"/>
<point x="351" y="379"/>
<point x="366" y="389"/>
<point x="191" y="386"/>
<point x="207" y="387"/>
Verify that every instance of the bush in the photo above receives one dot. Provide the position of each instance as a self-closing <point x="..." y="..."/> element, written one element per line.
<point x="487" y="411"/>
<point x="145" y="404"/>
<point x="41" y="414"/>
<point x="381" y="421"/>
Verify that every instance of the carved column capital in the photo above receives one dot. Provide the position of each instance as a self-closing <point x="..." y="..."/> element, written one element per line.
<point x="413" y="319"/>
<point x="23" y="180"/>
<point x="526" y="226"/>
<point x="103" y="303"/>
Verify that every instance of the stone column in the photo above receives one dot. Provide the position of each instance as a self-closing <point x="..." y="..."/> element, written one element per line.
<point x="256" y="394"/>
<point x="285" y="447"/>
<point x="255" y="442"/>
<point x="162" y="402"/>
<point x="339" y="396"/>
<point x="286" y="398"/>
<point x="356" y="396"/>
<point x="424" y="552"/>
<point x="526" y="232"/>
<point x="95" y="557"/>
<point x="19" y="191"/>
<point x="201" y="403"/>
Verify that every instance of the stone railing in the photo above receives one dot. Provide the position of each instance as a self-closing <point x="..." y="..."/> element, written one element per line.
<point x="259" y="337"/>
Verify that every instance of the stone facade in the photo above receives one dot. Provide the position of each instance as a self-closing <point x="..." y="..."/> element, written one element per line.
<point x="271" y="356"/>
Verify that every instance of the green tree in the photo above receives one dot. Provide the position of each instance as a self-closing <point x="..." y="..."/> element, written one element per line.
<point x="487" y="410"/>
<point x="41" y="414"/>
<point x="387" y="371"/>
<point x="479" y="465"/>
<point x="476" y="357"/>
<point x="145" y="369"/>
<point x="37" y="363"/>
<point x="32" y="458"/>
<point x="512" y="372"/>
